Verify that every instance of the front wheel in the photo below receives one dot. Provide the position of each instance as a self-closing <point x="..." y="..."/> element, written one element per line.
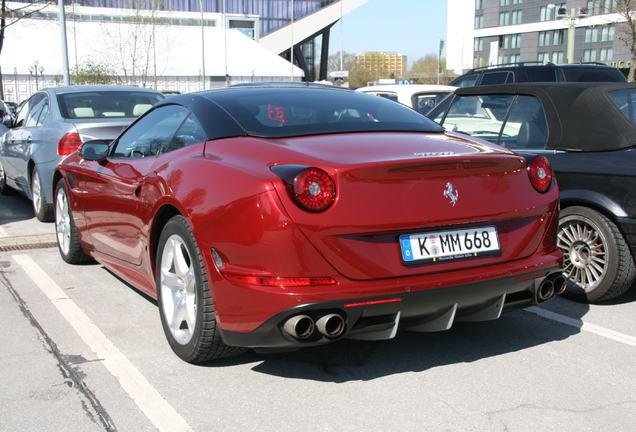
<point x="596" y="258"/>
<point x="42" y="209"/>
<point x="185" y="301"/>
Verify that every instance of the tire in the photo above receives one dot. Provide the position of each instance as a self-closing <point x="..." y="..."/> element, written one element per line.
<point x="4" y="189"/>
<point x="42" y="209"/>
<point x="596" y="258"/>
<point x="185" y="301"/>
<point x="65" y="230"/>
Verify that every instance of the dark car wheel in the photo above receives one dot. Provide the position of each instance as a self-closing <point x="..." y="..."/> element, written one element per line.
<point x="4" y="189"/>
<point x="67" y="236"/>
<point x="185" y="301"/>
<point x="43" y="210"/>
<point x="596" y="258"/>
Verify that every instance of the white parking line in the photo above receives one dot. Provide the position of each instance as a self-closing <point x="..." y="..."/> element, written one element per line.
<point x="598" y="330"/>
<point x="162" y="415"/>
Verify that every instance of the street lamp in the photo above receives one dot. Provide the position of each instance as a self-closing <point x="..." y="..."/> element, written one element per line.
<point x="33" y="70"/>
<point x="562" y="14"/>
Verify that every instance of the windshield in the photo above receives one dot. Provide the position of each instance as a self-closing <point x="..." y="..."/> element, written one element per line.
<point x="276" y="112"/>
<point x="100" y="104"/>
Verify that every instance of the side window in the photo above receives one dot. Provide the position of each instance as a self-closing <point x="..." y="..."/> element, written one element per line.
<point x="491" y="78"/>
<point x="542" y="74"/>
<point x="625" y="100"/>
<point x="38" y="113"/>
<point x="154" y="134"/>
<point x="26" y="112"/>
<point x="527" y="118"/>
<point x="467" y="81"/>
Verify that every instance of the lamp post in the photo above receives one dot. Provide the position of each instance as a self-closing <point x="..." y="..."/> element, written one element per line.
<point x="562" y="14"/>
<point x="34" y="70"/>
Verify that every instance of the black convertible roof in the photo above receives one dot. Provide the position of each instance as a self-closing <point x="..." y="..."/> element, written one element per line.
<point x="580" y="116"/>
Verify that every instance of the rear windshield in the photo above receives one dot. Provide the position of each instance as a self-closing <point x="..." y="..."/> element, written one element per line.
<point x="276" y="112"/>
<point x="99" y="104"/>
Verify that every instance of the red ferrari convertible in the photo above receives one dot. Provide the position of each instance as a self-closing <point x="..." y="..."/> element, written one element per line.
<point x="282" y="216"/>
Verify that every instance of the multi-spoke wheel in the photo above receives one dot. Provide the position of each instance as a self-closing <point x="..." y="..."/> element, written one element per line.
<point x="42" y="209"/>
<point x="596" y="258"/>
<point x="185" y="301"/>
<point x="67" y="237"/>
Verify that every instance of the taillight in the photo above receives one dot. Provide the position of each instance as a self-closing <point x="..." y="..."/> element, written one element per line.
<point x="282" y="282"/>
<point x="311" y="188"/>
<point x="540" y="173"/>
<point x="68" y="144"/>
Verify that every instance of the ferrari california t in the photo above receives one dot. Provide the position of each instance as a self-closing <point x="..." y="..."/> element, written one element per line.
<point x="283" y="216"/>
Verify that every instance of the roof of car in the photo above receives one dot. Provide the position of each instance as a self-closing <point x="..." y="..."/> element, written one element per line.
<point x="580" y="115"/>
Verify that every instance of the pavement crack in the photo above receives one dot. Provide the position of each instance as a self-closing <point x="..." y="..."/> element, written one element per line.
<point x="65" y="363"/>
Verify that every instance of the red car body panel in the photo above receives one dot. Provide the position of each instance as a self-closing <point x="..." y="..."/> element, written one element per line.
<point x="258" y="230"/>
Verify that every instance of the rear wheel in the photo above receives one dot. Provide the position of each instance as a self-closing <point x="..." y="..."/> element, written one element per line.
<point x="65" y="231"/>
<point x="185" y="301"/>
<point x="596" y="258"/>
<point x="43" y="210"/>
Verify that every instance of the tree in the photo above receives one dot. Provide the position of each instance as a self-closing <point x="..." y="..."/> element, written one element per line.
<point x="425" y="70"/>
<point x="625" y="27"/>
<point x="10" y="16"/>
<point x="93" y="72"/>
<point x="135" y="42"/>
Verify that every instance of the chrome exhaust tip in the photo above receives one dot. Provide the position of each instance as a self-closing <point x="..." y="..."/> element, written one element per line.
<point x="331" y="325"/>
<point x="299" y="326"/>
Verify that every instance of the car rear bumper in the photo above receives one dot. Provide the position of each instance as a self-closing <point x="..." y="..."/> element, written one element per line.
<point x="379" y="317"/>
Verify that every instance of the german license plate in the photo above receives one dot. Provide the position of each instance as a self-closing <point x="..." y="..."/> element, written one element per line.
<point x="449" y="245"/>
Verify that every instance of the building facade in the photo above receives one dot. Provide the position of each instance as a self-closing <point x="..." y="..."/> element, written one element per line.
<point x="386" y="63"/>
<point x="488" y="32"/>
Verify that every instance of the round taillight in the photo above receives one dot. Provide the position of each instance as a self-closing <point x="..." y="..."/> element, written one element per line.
<point x="314" y="189"/>
<point x="540" y="173"/>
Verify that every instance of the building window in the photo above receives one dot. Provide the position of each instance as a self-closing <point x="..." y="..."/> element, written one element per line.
<point x="516" y="16"/>
<point x="504" y="18"/>
<point x="589" y="55"/>
<point x="543" y="56"/>
<point x="504" y="2"/>
<point x="515" y="58"/>
<point x="479" y="44"/>
<point x="544" y="38"/>
<point x="516" y="2"/>
<point x="558" y="57"/>
<point x="607" y="33"/>
<point x="591" y="34"/>
<point x="479" y="4"/>
<point x="479" y="21"/>
<point x="515" y="41"/>
<point x="558" y="37"/>
<point x="606" y="54"/>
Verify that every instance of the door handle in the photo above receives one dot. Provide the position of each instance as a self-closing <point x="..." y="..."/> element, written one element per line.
<point x="29" y="140"/>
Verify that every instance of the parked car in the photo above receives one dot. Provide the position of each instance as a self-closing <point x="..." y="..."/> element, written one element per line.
<point x="52" y="124"/>
<point x="587" y="132"/>
<point x="278" y="217"/>
<point x="421" y="97"/>
<point x="539" y="72"/>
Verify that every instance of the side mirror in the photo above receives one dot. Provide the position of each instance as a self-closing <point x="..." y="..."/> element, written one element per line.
<point x="95" y="150"/>
<point x="7" y="120"/>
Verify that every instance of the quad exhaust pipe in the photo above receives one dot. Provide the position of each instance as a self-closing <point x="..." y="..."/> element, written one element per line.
<point x="302" y="327"/>
<point x="551" y="286"/>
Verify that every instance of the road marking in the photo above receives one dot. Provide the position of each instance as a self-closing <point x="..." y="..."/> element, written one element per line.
<point x="598" y="330"/>
<point x="162" y="415"/>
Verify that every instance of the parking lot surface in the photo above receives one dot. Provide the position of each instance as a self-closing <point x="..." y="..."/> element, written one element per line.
<point x="84" y="351"/>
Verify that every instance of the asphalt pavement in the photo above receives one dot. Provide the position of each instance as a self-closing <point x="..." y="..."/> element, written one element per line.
<point x="81" y="350"/>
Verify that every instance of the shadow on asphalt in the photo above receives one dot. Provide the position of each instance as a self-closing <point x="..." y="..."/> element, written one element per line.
<point x="352" y="360"/>
<point x="14" y="208"/>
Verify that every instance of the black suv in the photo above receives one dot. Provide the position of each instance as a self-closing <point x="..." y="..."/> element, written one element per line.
<point x="588" y="133"/>
<point x="539" y="72"/>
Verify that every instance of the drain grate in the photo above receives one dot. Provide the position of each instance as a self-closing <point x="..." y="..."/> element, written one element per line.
<point x="22" y="247"/>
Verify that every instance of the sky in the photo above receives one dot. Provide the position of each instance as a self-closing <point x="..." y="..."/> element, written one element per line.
<point x="411" y="27"/>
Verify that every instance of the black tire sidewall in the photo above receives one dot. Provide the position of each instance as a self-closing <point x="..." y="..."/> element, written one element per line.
<point x="178" y="226"/>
